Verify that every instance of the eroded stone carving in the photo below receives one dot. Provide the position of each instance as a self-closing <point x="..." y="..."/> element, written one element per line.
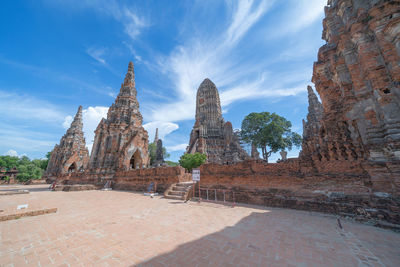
<point x="357" y="76"/>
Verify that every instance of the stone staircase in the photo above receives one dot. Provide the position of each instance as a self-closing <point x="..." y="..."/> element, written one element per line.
<point x="179" y="191"/>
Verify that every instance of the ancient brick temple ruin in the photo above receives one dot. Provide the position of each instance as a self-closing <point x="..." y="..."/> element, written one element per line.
<point x="71" y="155"/>
<point x="121" y="143"/>
<point x="211" y="135"/>
<point x="350" y="159"/>
<point x="357" y="76"/>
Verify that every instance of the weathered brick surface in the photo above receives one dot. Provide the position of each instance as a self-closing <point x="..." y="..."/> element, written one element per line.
<point x="345" y="191"/>
<point x="211" y="135"/>
<point x="134" y="180"/>
<point x="357" y="76"/>
<point x="31" y="213"/>
<point x="71" y="154"/>
<point x="120" y="141"/>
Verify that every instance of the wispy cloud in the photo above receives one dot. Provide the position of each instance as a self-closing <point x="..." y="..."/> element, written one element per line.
<point x="97" y="53"/>
<point x="132" y="22"/>
<point x="305" y="13"/>
<point x="180" y="147"/>
<point x="217" y="57"/>
<point x="164" y="128"/>
<point x="23" y="138"/>
<point x="26" y="107"/>
<point x="207" y="56"/>
<point x="53" y="75"/>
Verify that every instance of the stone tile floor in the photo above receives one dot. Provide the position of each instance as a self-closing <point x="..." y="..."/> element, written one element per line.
<point x="115" y="228"/>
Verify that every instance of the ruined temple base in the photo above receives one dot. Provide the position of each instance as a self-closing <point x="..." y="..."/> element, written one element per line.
<point x="364" y="191"/>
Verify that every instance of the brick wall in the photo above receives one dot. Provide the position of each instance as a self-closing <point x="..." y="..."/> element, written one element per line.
<point x="340" y="188"/>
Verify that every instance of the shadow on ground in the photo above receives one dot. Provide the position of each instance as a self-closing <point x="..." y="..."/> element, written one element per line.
<point x="274" y="238"/>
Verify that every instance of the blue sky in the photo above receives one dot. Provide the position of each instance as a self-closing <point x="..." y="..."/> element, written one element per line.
<point x="56" y="55"/>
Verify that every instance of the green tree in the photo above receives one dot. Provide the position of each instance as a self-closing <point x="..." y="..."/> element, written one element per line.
<point x="270" y="132"/>
<point x="8" y="162"/>
<point x="153" y="152"/>
<point x="191" y="161"/>
<point x="27" y="169"/>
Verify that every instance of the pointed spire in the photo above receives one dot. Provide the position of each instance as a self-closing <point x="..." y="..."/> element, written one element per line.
<point x="156" y="136"/>
<point x="314" y="106"/>
<point x="130" y="76"/>
<point x="77" y="122"/>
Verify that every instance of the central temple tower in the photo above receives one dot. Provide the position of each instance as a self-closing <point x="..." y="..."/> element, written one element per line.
<point x="211" y="135"/>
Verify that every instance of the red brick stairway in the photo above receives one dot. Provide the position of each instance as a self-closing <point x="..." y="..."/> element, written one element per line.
<point x="179" y="191"/>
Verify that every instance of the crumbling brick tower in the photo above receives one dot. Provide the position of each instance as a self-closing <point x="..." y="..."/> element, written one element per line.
<point x="211" y="135"/>
<point x="120" y="140"/>
<point x="357" y="76"/>
<point x="71" y="155"/>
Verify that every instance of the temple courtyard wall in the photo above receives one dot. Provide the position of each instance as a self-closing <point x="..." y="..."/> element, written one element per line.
<point x="343" y="188"/>
<point x="131" y="180"/>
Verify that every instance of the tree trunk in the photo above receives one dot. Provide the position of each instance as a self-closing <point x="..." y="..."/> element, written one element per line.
<point x="265" y="154"/>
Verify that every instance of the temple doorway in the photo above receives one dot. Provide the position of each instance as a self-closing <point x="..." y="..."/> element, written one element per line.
<point x="72" y="167"/>
<point x="136" y="161"/>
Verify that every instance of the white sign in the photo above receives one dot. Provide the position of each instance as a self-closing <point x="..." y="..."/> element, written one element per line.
<point x="196" y="175"/>
<point x="24" y="206"/>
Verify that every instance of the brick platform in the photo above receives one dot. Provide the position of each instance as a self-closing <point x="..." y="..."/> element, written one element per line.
<point x="115" y="228"/>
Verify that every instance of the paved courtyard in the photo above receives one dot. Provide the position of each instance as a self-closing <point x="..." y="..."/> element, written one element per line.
<point x="114" y="228"/>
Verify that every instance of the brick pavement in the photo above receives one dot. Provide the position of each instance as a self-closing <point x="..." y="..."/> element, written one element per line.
<point x="111" y="228"/>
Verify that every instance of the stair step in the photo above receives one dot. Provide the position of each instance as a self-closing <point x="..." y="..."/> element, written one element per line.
<point x="180" y="188"/>
<point x="174" y="197"/>
<point x="184" y="184"/>
<point x="176" y="193"/>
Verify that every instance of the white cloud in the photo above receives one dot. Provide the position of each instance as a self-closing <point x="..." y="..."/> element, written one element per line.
<point x="305" y="13"/>
<point x="200" y="58"/>
<point x="67" y="121"/>
<point x="27" y="107"/>
<point x="164" y="128"/>
<point x="12" y="153"/>
<point x="125" y="14"/>
<point x="91" y="118"/>
<point x="133" y="24"/>
<point x="244" y="18"/>
<point x="180" y="147"/>
<point x="97" y="53"/>
<point x="22" y="138"/>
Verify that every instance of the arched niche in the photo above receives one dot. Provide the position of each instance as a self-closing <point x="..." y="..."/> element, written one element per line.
<point x="72" y="168"/>
<point x="135" y="161"/>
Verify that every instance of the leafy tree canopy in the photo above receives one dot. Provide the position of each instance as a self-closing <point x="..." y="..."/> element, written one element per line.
<point x="191" y="161"/>
<point x="270" y="132"/>
<point x="27" y="169"/>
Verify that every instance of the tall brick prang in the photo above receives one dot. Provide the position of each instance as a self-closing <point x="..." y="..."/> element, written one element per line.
<point x="211" y="135"/>
<point x="71" y="154"/>
<point x="120" y="140"/>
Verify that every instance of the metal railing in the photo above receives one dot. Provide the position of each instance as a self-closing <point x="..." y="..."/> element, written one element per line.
<point x="217" y="195"/>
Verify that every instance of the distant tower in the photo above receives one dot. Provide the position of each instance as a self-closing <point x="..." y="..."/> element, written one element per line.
<point x="159" y="154"/>
<point x="120" y="141"/>
<point x="211" y="135"/>
<point x="156" y="136"/>
<point x="71" y="155"/>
